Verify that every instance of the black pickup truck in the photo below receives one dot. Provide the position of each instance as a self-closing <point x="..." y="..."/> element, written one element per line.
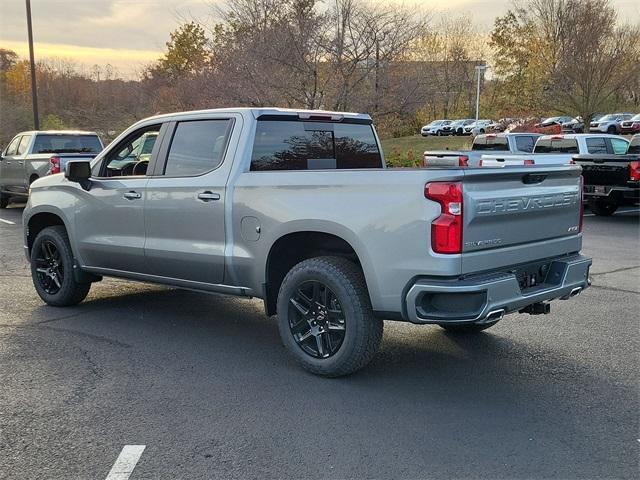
<point x="611" y="180"/>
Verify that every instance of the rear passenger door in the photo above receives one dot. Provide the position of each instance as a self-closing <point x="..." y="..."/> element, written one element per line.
<point x="10" y="167"/>
<point x="185" y="206"/>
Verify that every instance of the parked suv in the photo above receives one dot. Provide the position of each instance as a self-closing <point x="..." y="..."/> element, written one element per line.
<point x="297" y="208"/>
<point x="631" y="126"/>
<point x="434" y="128"/>
<point x="610" y="123"/>
<point x="31" y="155"/>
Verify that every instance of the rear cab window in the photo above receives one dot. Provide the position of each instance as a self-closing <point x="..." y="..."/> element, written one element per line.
<point x="491" y="143"/>
<point x="556" y="145"/>
<point x="66" y="143"/>
<point x="525" y="143"/>
<point x="596" y="145"/>
<point x="283" y="144"/>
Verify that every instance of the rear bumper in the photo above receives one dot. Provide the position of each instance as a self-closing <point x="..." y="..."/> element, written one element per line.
<point x="617" y="193"/>
<point x="487" y="297"/>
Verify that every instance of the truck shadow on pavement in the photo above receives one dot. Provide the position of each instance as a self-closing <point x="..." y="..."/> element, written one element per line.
<point x="485" y="394"/>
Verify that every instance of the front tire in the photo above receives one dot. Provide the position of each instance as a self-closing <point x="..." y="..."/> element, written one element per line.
<point x="466" y="328"/>
<point x="602" y="208"/>
<point x="52" y="269"/>
<point x="4" y="200"/>
<point x="612" y="130"/>
<point x="325" y="317"/>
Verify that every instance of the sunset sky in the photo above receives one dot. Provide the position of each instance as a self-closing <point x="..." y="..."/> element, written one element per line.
<point x="129" y="34"/>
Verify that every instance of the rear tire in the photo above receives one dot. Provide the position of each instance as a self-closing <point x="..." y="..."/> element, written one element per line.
<point x="4" y="200"/>
<point x="602" y="208"/>
<point x="325" y="317"/>
<point x="466" y="328"/>
<point x="612" y="130"/>
<point x="52" y="269"/>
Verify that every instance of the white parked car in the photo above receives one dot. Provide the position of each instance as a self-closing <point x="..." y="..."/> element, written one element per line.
<point x="479" y="127"/>
<point x="610" y="123"/>
<point x="434" y="128"/>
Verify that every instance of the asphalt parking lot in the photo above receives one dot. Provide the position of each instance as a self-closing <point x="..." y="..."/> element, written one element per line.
<point x="203" y="382"/>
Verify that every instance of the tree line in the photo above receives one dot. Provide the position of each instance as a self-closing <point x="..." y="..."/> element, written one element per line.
<point x="403" y="66"/>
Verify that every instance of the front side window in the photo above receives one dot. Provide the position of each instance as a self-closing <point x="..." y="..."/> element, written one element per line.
<point x="298" y="145"/>
<point x="24" y="143"/>
<point x="13" y="146"/>
<point x="197" y="147"/>
<point x="131" y="156"/>
<point x="619" y="146"/>
<point x="596" y="145"/>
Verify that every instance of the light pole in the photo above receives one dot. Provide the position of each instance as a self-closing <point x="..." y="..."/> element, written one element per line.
<point x="479" y="70"/>
<point x="34" y="91"/>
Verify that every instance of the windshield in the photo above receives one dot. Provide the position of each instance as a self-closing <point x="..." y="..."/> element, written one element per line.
<point x="608" y="118"/>
<point x="66" y="143"/>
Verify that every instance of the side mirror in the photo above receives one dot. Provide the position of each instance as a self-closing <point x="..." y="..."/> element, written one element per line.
<point x="78" y="171"/>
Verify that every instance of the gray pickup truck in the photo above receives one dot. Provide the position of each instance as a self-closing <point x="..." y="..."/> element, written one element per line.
<point x="31" y="155"/>
<point x="297" y="208"/>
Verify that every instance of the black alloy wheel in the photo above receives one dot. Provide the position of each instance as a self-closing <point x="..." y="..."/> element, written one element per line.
<point x="49" y="267"/>
<point x="316" y="319"/>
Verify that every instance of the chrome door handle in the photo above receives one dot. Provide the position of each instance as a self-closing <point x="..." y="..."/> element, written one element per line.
<point x="21" y="163"/>
<point x="208" y="196"/>
<point x="132" y="195"/>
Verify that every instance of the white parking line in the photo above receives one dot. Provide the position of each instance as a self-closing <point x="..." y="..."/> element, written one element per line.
<point x="126" y="462"/>
<point x="8" y="222"/>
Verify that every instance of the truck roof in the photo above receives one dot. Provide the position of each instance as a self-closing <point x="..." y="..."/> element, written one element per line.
<point x="580" y="135"/>
<point x="257" y="112"/>
<point x="57" y="132"/>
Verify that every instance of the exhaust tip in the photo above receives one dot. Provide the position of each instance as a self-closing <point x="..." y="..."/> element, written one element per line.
<point x="495" y="315"/>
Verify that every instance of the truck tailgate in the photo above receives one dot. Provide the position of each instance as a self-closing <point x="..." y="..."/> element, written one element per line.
<point x="605" y="169"/>
<point x="519" y="214"/>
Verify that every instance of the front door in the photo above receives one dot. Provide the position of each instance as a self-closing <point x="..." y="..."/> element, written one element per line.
<point x="185" y="206"/>
<point x="109" y="223"/>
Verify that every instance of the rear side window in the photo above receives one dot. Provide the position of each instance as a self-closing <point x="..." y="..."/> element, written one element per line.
<point x="197" y="147"/>
<point x="46" y="143"/>
<point x="556" y="145"/>
<point x="297" y="145"/>
<point x="634" y="146"/>
<point x="490" y="143"/>
<point x="525" y="143"/>
<point x="596" y="145"/>
<point x="619" y="146"/>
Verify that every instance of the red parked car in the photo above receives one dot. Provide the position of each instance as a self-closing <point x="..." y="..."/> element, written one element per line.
<point x="631" y="126"/>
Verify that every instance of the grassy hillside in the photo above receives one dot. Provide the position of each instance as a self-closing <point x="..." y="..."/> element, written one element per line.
<point x="407" y="151"/>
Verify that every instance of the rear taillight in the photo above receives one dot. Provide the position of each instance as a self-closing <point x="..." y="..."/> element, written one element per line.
<point x="581" y="203"/>
<point x="529" y="161"/>
<point x="463" y="161"/>
<point x="54" y="165"/>
<point x="446" y="230"/>
<point x="634" y="171"/>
